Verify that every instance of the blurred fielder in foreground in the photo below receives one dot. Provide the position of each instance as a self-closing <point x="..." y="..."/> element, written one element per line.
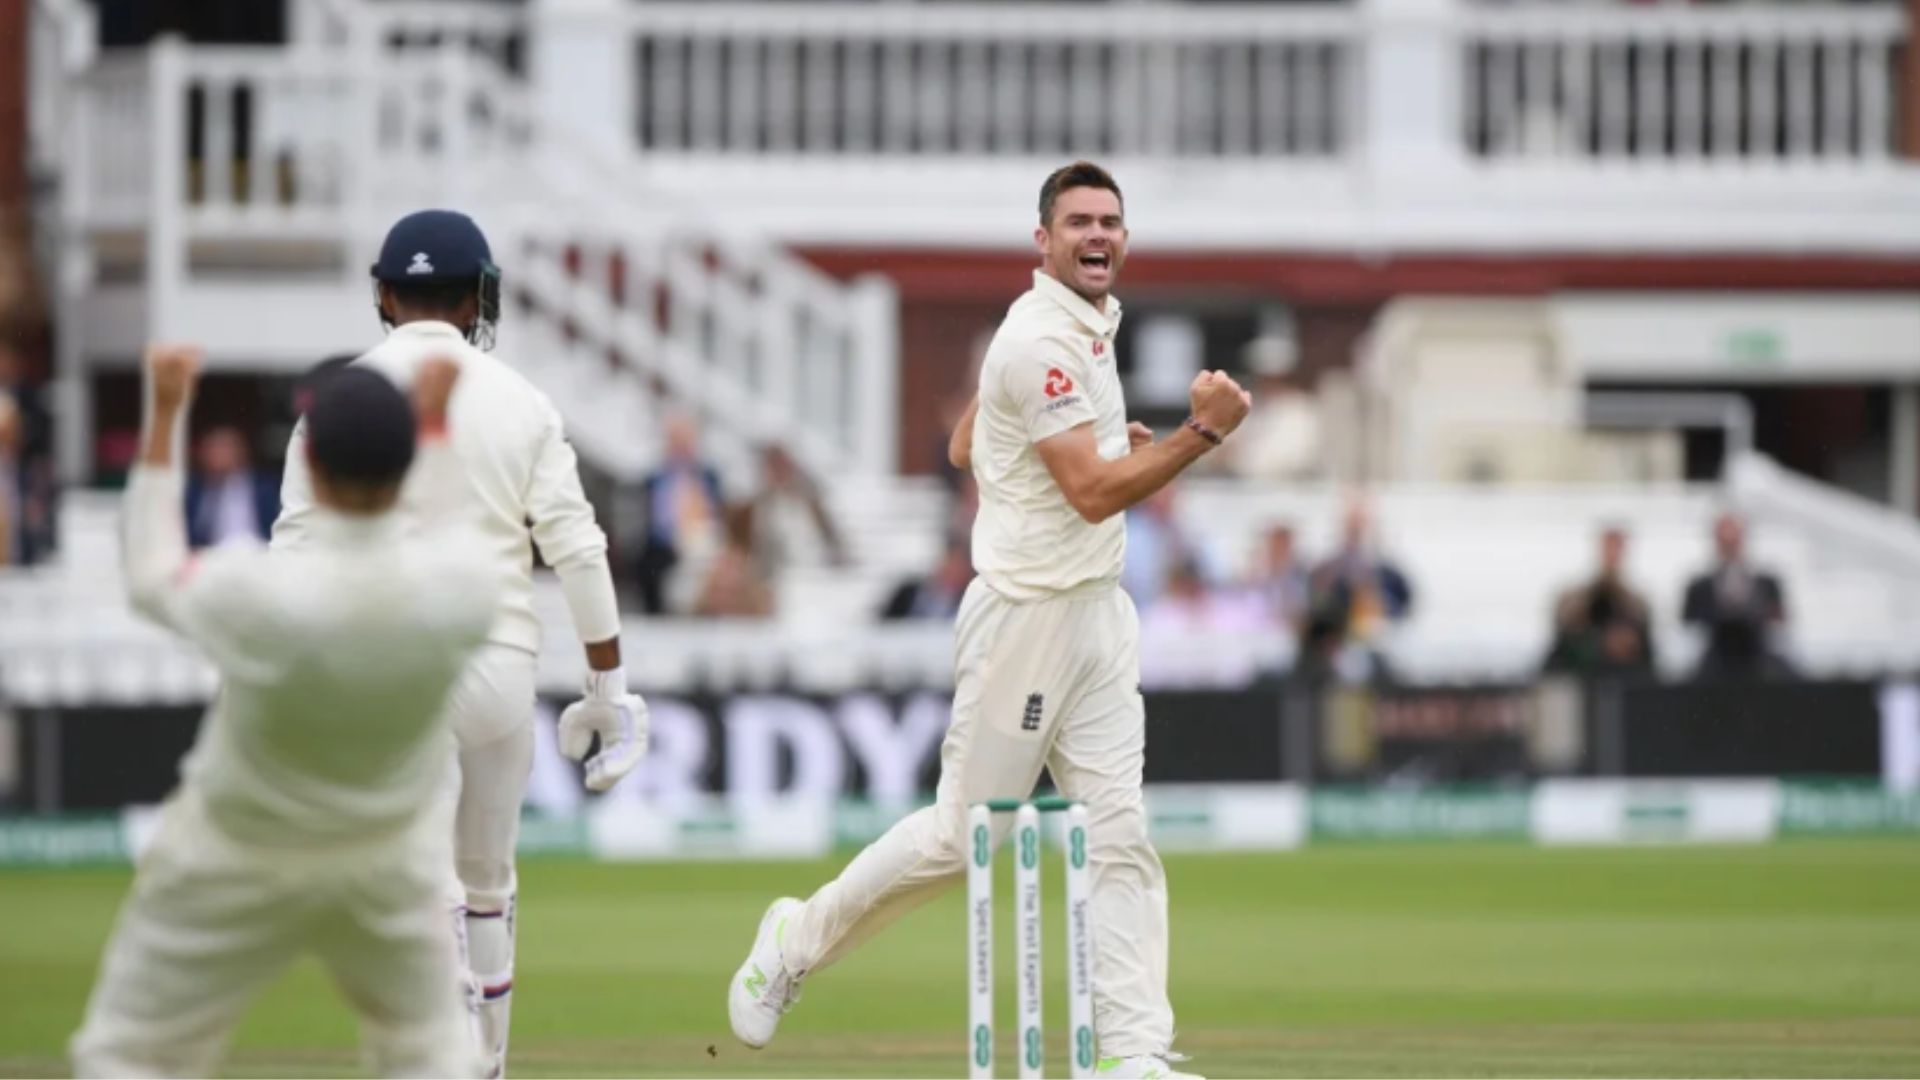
<point x="309" y="815"/>
<point x="1047" y="645"/>
<point x="438" y="292"/>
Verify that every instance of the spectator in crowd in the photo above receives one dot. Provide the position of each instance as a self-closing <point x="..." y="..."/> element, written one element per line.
<point x="1280" y="581"/>
<point x="1188" y="605"/>
<point x="27" y="486"/>
<point x="1155" y="546"/>
<point x="1199" y="636"/>
<point x="11" y="435"/>
<point x="1356" y="595"/>
<point x="1280" y="441"/>
<point x="1740" y="607"/>
<point x="938" y="594"/>
<point x="731" y="584"/>
<point x="1602" y="627"/>
<point x="228" y="500"/>
<point x="683" y="512"/>
<point x="791" y="523"/>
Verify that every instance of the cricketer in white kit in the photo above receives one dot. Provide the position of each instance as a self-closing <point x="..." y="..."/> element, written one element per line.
<point x="308" y="817"/>
<point x="438" y="291"/>
<point x="1047" y="645"/>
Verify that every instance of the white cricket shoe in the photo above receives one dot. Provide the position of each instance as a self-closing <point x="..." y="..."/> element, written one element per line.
<point x="1141" y="1067"/>
<point x="763" y="989"/>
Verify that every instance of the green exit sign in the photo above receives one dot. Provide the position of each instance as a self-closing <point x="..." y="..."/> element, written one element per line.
<point x="1756" y="346"/>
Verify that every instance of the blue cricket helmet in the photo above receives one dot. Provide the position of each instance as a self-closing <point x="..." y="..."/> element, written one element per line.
<point x="443" y="247"/>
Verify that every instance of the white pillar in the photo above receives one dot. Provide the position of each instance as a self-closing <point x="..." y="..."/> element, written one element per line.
<point x="1904" y="475"/>
<point x="582" y="67"/>
<point x="166" y="263"/>
<point x="1410" y="83"/>
<point x="876" y="340"/>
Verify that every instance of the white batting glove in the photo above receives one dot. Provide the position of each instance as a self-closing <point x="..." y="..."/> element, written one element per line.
<point x="618" y="717"/>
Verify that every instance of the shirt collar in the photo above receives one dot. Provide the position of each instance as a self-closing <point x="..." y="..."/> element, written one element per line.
<point x="1102" y="324"/>
<point x="336" y="529"/>
<point x="427" y="328"/>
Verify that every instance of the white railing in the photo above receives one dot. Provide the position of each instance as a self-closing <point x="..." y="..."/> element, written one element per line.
<point x="264" y="137"/>
<point x="492" y="30"/>
<point x="257" y="141"/>
<point x="402" y="27"/>
<point x="1740" y="83"/>
<point x="61" y="42"/>
<point x="759" y="350"/>
<point x="110" y="144"/>
<point x="1039" y="80"/>
<point x="274" y="154"/>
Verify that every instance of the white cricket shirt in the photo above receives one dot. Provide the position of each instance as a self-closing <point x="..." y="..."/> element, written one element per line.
<point x="335" y="659"/>
<point x="1049" y="368"/>
<point x="523" y="472"/>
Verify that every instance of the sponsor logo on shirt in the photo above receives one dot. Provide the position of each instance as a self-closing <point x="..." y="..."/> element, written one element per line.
<point x="1058" y="383"/>
<point x="1099" y="348"/>
<point x="1030" y="717"/>
<point x="1061" y="403"/>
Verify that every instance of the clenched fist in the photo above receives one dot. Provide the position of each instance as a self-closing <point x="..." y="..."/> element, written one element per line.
<point x="1218" y="402"/>
<point x="172" y="371"/>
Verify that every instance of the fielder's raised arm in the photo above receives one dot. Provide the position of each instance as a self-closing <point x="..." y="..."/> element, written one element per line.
<point x="154" y="553"/>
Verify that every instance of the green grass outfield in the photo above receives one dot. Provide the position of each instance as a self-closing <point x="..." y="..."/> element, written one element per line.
<point x="1796" y="959"/>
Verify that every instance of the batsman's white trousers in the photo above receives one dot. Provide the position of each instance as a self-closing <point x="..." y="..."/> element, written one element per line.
<point x="212" y="920"/>
<point x="491" y="711"/>
<point x="1052" y="682"/>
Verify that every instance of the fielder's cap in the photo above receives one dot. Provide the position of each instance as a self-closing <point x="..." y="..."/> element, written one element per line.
<point x="434" y="245"/>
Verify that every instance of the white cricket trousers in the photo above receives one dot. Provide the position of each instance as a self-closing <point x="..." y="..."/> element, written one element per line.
<point x="491" y="713"/>
<point x="1052" y="682"/>
<point x="212" y="920"/>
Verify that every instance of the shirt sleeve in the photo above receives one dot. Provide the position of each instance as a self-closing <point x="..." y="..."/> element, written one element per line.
<point x="569" y="538"/>
<point x="1047" y="387"/>
<point x="292" y="528"/>
<point x="214" y="599"/>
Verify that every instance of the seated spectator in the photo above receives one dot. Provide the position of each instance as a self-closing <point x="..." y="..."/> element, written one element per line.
<point x="1739" y="606"/>
<point x="228" y="500"/>
<point x="1356" y="595"/>
<point x="938" y="594"/>
<point x="1281" y="583"/>
<point x="731" y="586"/>
<point x="683" y="512"/>
<point x="1190" y="606"/>
<point x="29" y="486"/>
<point x="10" y="494"/>
<point x="1602" y="627"/>
<point x="1198" y="636"/>
<point x="1156" y="545"/>
<point x="791" y="523"/>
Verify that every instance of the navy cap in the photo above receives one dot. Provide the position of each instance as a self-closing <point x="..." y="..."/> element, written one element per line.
<point x="434" y="246"/>
<point x="361" y="428"/>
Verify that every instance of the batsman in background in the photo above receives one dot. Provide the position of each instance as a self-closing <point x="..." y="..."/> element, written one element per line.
<point x="1047" y="664"/>
<point x="309" y="815"/>
<point x="438" y="293"/>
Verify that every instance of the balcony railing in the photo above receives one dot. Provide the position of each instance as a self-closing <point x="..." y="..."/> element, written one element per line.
<point x="1743" y="83"/>
<point x="1036" y="80"/>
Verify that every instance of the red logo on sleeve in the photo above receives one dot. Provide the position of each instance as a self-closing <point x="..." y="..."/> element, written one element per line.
<point x="1058" y="383"/>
